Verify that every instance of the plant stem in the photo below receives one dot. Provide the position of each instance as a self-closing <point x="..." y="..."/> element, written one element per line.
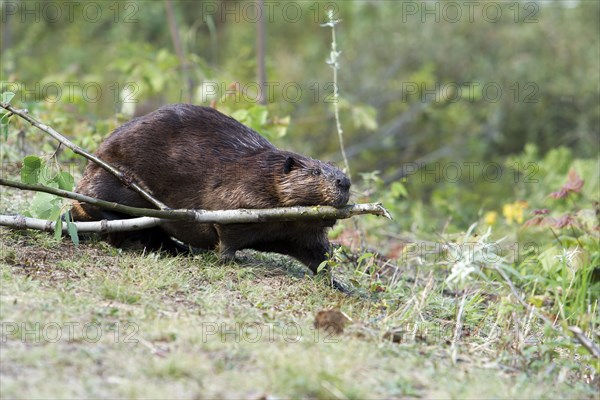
<point x="336" y="109"/>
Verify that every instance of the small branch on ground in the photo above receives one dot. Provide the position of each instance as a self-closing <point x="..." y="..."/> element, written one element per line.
<point x="104" y="226"/>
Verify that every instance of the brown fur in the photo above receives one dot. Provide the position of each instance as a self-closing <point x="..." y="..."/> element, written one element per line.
<point x="196" y="157"/>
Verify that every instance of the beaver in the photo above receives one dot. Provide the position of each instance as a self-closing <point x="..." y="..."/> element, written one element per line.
<point x="190" y="156"/>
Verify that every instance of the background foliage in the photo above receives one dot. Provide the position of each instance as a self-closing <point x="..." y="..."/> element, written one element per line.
<point x="416" y="87"/>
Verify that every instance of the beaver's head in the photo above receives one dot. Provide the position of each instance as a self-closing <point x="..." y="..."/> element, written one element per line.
<point x="303" y="181"/>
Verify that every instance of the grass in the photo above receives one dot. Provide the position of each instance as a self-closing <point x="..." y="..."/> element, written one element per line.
<point x="95" y="322"/>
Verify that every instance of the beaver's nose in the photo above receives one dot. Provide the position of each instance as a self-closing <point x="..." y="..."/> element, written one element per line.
<point x="343" y="183"/>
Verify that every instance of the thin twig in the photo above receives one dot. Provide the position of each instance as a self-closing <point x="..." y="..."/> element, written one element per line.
<point x="78" y="150"/>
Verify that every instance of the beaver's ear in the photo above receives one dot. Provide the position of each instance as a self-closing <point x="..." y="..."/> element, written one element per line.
<point x="289" y="164"/>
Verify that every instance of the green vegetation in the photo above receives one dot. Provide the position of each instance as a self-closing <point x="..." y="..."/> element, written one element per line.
<point x="478" y="131"/>
<point x="116" y="324"/>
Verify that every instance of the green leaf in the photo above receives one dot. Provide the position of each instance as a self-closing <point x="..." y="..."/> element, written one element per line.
<point x="45" y="205"/>
<point x="30" y="171"/>
<point x="72" y="229"/>
<point x="7" y="97"/>
<point x="398" y="190"/>
<point x="363" y="257"/>
<point x="56" y="210"/>
<point x="240" y="115"/>
<point x="258" y="116"/>
<point x="322" y="266"/>
<point x="281" y="126"/>
<point x="65" y="181"/>
<point x="58" y="228"/>
<point x="4" y="120"/>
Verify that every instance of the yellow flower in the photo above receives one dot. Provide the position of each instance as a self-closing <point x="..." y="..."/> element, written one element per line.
<point x="490" y="217"/>
<point x="514" y="212"/>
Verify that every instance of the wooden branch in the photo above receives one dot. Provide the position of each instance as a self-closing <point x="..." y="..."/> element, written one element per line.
<point x="104" y="226"/>
<point x="218" y="216"/>
<point x="107" y="205"/>
<point x="78" y="150"/>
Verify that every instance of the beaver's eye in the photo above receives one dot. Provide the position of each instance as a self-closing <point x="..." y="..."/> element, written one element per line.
<point x="316" y="172"/>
